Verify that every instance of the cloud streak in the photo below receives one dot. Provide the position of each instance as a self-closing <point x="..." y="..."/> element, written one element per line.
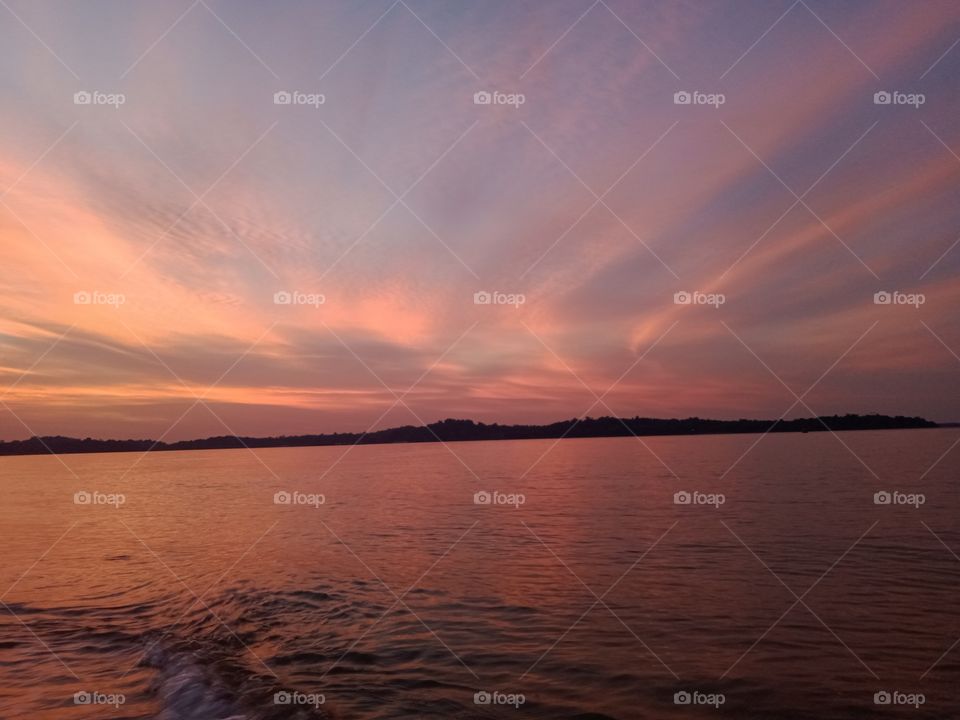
<point x="303" y="199"/>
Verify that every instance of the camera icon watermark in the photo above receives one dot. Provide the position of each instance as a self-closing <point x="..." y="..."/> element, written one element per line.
<point x="883" y="497"/>
<point x="495" y="697"/>
<point x="286" y="697"/>
<point x="695" y="697"/>
<point x="84" y="697"/>
<point x="695" y="297"/>
<point x="896" y="697"/>
<point x="485" y="97"/>
<point x="295" y="97"/>
<point x="895" y="97"/>
<point x="295" y="297"/>
<point x="84" y="497"/>
<point x="295" y="497"/>
<point x="895" y="297"/>
<point x="695" y="97"/>
<point x="684" y="497"/>
<point x="96" y="297"/>
<point x="482" y="297"/>
<point x="95" y="97"/>
<point x="494" y="497"/>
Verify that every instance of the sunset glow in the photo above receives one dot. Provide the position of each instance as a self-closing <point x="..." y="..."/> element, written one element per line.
<point x="183" y="211"/>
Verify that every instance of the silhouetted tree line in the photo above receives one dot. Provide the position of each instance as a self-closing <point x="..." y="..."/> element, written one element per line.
<point x="461" y="430"/>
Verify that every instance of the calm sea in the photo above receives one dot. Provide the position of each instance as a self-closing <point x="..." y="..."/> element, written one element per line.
<point x="789" y="576"/>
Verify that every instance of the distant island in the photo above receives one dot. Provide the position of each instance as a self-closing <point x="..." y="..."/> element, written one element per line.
<point x="465" y="430"/>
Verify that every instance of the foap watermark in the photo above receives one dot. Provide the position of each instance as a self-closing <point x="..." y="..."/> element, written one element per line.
<point x="482" y="297"/>
<point x="684" y="97"/>
<point x="295" y="297"/>
<point x="895" y="97"/>
<point x="95" y="97"/>
<point x="515" y="500"/>
<point x="83" y="497"/>
<point x="295" y="97"/>
<point x="883" y="497"/>
<point x="895" y="297"/>
<point x="695" y="697"/>
<point x="96" y="297"/>
<point x="683" y="497"/>
<point x="484" y="97"/>
<point x="685" y="297"/>
<point x="294" y="497"/>
<point x="84" y="697"/>
<point x="896" y="697"/>
<point x="285" y="697"/>
<point x="496" y="697"/>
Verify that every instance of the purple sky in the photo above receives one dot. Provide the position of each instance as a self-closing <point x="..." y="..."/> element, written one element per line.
<point x="182" y="198"/>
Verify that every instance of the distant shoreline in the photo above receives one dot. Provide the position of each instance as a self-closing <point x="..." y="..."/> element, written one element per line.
<point x="467" y="430"/>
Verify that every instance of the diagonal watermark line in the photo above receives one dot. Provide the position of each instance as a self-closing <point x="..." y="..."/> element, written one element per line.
<point x="39" y="439"/>
<point x="849" y="49"/>
<point x="600" y="600"/>
<point x="799" y="199"/>
<point x="577" y="22"/>
<point x="36" y="362"/>
<point x="159" y="39"/>
<point x="17" y="182"/>
<point x="37" y="561"/>
<point x="39" y="159"/>
<point x="939" y="459"/>
<point x="239" y="39"/>
<point x="600" y="200"/>
<point x="39" y="239"/>
<point x="401" y="401"/>
<point x="957" y="641"/>
<point x="957" y="441"/>
<point x="937" y="261"/>
<point x="39" y="39"/>
<point x="556" y="42"/>
<point x="757" y="41"/>
<point x="597" y="601"/>
<point x="940" y="139"/>
<point x="446" y="47"/>
<point x="940" y="340"/>
<point x="199" y="199"/>
<point x="357" y="41"/>
<point x="398" y="600"/>
<point x="39" y="640"/>
<point x="800" y="399"/>
<point x="937" y="61"/>
<point x="597" y="401"/>
<point x="799" y="599"/>
<point x="647" y="47"/>
<point x="198" y="598"/>
<point x="196" y="397"/>
<point x="949" y="150"/>
<point x="397" y="402"/>
<point x="198" y="400"/>
<point x="398" y="199"/>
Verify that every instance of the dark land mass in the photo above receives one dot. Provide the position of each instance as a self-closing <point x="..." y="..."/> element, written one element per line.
<point x="463" y="430"/>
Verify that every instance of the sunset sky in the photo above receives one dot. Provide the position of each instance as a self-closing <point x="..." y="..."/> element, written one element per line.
<point x="598" y="198"/>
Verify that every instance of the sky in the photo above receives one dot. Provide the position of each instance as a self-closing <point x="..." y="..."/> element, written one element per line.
<point x="150" y="237"/>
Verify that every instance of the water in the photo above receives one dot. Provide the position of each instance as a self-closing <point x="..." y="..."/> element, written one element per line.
<point x="398" y="597"/>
